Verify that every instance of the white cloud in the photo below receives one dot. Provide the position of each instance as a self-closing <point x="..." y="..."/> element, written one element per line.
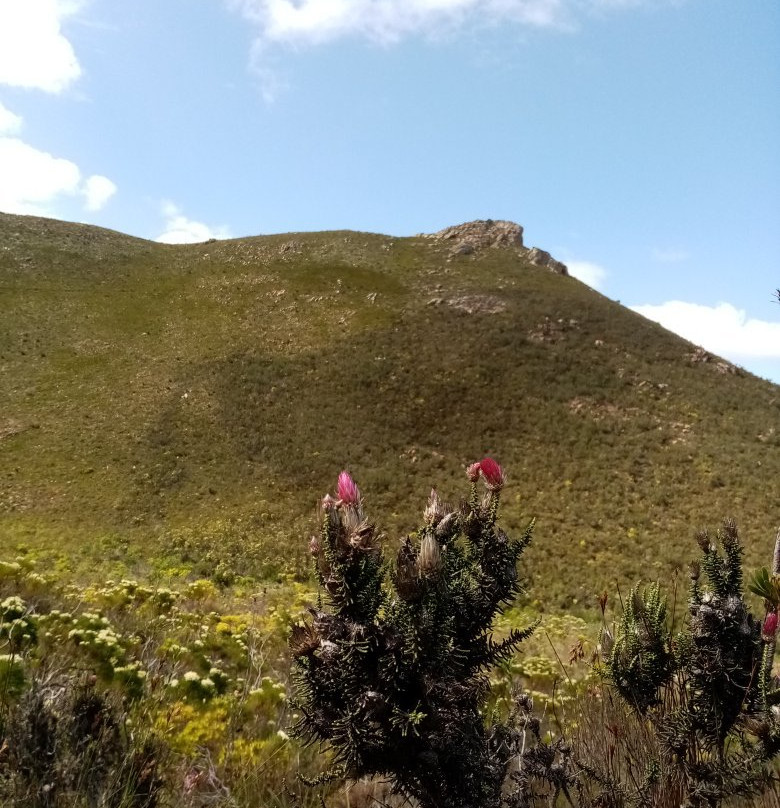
<point x="34" y="180"/>
<point x="34" y="54"/>
<point x="10" y="123"/>
<point x="723" y="329"/>
<point x="181" y="230"/>
<point x="97" y="191"/>
<point x="587" y="272"/>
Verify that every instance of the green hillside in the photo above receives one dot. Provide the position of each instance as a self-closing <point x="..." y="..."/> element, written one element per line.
<point x="172" y="408"/>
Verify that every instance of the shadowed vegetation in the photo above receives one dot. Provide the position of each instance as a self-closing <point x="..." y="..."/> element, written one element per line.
<point x="166" y="408"/>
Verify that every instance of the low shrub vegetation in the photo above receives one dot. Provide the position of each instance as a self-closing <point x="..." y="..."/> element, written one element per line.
<point x="417" y="672"/>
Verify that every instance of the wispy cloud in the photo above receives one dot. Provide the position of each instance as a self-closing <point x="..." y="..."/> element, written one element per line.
<point x="386" y="21"/>
<point x="297" y="23"/>
<point x="34" y="53"/>
<point x="723" y="329"/>
<point x="181" y="230"/>
<point x="10" y="123"/>
<point x="587" y="272"/>
<point x="670" y="255"/>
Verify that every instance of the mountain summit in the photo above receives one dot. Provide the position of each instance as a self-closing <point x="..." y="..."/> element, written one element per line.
<point x="480" y="234"/>
<point x="193" y="401"/>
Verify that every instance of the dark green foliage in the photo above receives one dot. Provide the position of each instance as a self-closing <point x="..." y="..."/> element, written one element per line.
<point x="706" y="692"/>
<point x="641" y="661"/>
<point x="766" y="587"/>
<point x="721" y="652"/>
<point x="393" y="673"/>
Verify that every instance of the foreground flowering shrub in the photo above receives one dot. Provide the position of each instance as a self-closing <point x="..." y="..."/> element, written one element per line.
<point x="392" y="671"/>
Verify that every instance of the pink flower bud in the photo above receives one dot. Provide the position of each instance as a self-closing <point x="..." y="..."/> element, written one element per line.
<point x="328" y="503"/>
<point x="770" y="627"/>
<point x="472" y="472"/>
<point x="348" y="491"/>
<point x="314" y="545"/>
<point x="493" y="473"/>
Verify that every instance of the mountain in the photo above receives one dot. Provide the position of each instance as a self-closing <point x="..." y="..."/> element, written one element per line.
<point x="171" y="408"/>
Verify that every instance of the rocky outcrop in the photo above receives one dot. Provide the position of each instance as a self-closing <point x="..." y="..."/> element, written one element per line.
<point x="472" y="237"/>
<point x="542" y="258"/>
<point x="701" y="357"/>
<point x="480" y="234"/>
<point x="471" y="304"/>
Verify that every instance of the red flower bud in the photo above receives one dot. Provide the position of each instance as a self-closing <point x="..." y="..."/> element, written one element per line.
<point x="493" y="473"/>
<point x="770" y="627"/>
<point x="348" y="491"/>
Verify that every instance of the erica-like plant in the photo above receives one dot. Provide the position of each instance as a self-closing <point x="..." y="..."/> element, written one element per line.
<point x="706" y="692"/>
<point x="391" y="669"/>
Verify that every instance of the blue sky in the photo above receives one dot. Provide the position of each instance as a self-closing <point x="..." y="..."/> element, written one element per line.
<point x="636" y="140"/>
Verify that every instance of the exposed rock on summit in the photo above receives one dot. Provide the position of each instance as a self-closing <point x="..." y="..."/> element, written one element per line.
<point x="481" y="234"/>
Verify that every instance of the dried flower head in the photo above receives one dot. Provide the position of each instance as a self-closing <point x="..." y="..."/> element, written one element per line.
<point x="405" y="577"/>
<point x="606" y="642"/>
<point x="362" y="536"/>
<point x="314" y="545"/>
<point x="351" y="519"/>
<point x="328" y="503"/>
<point x="447" y="527"/>
<point x="435" y="510"/>
<point x="303" y="639"/>
<point x="703" y="540"/>
<point x="348" y="492"/>
<point x="472" y="472"/>
<point x="429" y="560"/>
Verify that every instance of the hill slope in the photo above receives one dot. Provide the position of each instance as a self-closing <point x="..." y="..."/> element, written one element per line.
<point x="174" y="406"/>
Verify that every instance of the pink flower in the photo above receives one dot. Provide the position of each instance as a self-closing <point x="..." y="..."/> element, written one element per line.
<point x="770" y="627"/>
<point x="492" y="472"/>
<point x="472" y="472"/>
<point x="347" y="490"/>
